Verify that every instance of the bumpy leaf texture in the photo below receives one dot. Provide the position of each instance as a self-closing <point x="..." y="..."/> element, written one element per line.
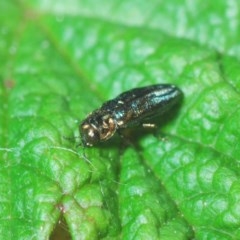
<point x="59" y="60"/>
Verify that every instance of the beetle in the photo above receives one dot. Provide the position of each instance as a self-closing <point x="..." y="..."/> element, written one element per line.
<point x="131" y="108"/>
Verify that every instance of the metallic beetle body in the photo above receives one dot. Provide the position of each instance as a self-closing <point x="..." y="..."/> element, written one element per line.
<point x="130" y="108"/>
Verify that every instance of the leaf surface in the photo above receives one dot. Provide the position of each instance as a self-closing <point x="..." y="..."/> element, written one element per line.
<point x="60" y="61"/>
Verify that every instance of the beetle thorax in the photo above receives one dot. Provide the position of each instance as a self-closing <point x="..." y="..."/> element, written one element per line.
<point x="107" y="128"/>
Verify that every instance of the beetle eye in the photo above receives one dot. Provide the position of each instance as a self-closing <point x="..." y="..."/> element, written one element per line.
<point x="89" y="135"/>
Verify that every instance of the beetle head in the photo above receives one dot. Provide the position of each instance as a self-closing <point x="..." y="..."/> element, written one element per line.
<point x="97" y="128"/>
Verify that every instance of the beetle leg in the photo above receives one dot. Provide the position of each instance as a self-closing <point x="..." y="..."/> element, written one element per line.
<point x="149" y="125"/>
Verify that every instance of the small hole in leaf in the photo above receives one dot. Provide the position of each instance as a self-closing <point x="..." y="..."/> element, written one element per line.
<point x="61" y="231"/>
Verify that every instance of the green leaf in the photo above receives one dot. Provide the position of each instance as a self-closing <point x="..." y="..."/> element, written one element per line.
<point x="59" y="61"/>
